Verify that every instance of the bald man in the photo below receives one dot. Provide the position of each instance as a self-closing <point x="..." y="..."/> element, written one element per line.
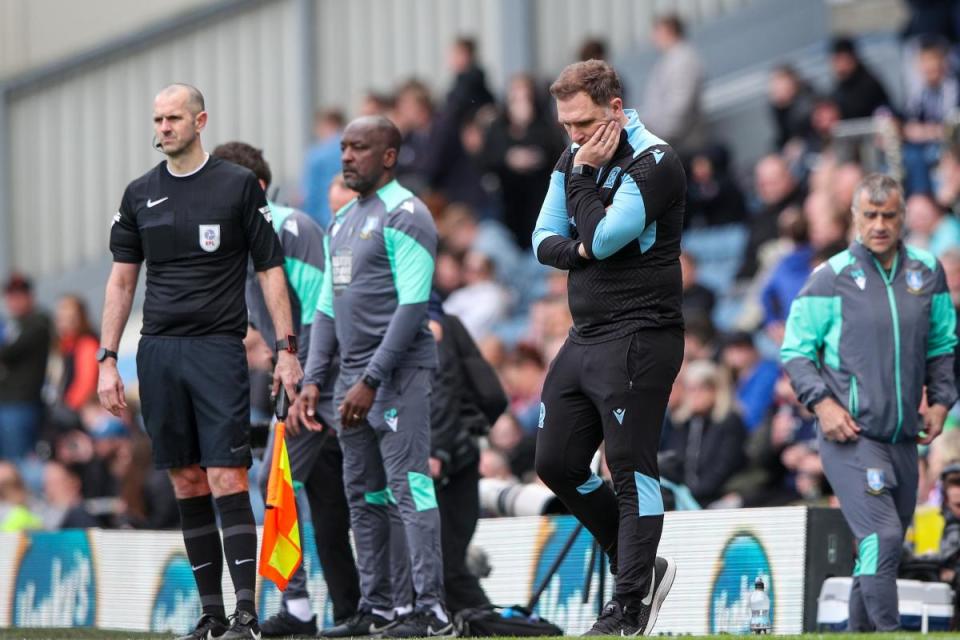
<point x="373" y="307"/>
<point x="196" y="221"/>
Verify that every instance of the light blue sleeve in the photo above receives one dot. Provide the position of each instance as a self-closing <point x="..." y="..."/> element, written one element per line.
<point x="625" y="220"/>
<point x="553" y="219"/>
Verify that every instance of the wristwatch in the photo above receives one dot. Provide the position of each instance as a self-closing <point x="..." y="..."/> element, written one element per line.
<point x="584" y="170"/>
<point x="371" y="382"/>
<point x="288" y="344"/>
<point x="104" y="353"/>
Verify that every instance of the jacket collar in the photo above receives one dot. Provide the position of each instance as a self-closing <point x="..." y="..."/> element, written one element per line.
<point x="860" y="251"/>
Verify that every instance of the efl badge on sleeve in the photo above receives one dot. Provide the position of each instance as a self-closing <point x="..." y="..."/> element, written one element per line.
<point x="914" y="280"/>
<point x="875" y="481"/>
<point x="265" y="212"/>
<point x="209" y="237"/>
<point x="859" y="277"/>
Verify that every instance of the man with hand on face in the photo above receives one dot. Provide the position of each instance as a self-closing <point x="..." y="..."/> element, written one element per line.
<point x="612" y="217"/>
<point x="870" y="330"/>
<point x="196" y="221"/>
<point x="373" y="305"/>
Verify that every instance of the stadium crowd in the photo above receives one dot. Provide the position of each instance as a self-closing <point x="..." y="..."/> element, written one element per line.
<point x="735" y="434"/>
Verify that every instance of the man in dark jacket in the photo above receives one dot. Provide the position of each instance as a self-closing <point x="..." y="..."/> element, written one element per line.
<point x="467" y="399"/>
<point x="23" y="366"/>
<point x="857" y="91"/>
<point x="448" y="168"/>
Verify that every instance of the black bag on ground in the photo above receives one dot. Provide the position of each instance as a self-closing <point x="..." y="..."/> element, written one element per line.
<point x="503" y="621"/>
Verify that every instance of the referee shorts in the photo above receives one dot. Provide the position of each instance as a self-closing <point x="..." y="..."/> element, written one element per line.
<point x="195" y="399"/>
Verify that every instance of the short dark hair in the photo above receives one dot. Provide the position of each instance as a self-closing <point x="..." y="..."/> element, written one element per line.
<point x="933" y="43"/>
<point x="247" y="156"/>
<point x="333" y="116"/>
<point x="18" y="283"/>
<point x="468" y="44"/>
<point x="843" y="44"/>
<point x="593" y="49"/>
<point x="596" y="78"/>
<point x="673" y="22"/>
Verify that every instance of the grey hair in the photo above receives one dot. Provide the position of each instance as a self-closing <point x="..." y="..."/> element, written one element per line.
<point x="879" y="188"/>
<point x="195" y="100"/>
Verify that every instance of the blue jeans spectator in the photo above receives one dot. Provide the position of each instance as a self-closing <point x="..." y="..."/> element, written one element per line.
<point x="918" y="158"/>
<point x="18" y="429"/>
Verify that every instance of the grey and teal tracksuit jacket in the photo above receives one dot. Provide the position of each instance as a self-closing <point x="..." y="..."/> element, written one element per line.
<point x="379" y="273"/>
<point x="303" y="244"/>
<point x="373" y="311"/>
<point x="873" y="340"/>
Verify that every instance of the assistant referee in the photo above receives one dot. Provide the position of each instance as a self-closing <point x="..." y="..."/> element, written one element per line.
<point x="196" y="220"/>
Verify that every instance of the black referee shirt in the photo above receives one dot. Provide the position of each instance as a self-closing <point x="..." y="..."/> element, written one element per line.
<point x="195" y="233"/>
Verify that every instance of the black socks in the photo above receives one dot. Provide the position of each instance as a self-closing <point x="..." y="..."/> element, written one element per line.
<point x="202" y="541"/>
<point x="240" y="546"/>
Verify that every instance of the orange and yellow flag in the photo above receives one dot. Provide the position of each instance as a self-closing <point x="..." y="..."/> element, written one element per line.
<point x="281" y="553"/>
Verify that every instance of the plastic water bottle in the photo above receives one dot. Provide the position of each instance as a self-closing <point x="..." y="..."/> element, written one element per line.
<point x="759" y="609"/>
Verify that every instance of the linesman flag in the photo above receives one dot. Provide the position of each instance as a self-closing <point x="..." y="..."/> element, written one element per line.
<point x="281" y="553"/>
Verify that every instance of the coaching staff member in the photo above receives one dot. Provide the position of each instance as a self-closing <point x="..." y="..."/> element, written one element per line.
<point x="869" y="330"/>
<point x="316" y="462"/>
<point x="373" y="308"/>
<point x="612" y="217"/>
<point x="195" y="220"/>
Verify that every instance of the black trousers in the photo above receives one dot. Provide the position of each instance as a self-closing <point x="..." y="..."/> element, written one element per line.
<point x="459" y="502"/>
<point x="613" y="392"/>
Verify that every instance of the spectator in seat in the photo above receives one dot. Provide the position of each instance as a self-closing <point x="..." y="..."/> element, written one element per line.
<point x="16" y="512"/>
<point x="856" y="89"/>
<point x="520" y="148"/>
<point x="698" y="300"/>
<point x="23" y="367"/>
<point x="713" y="197"/>
<point x="507" y="437"/>
<point x="672" y="100"/>
<point x="948" y="178"/>
<point x="77" y="344"/>
<point x="931" y="105"/>
<point x="755" y="378"/>
<point x="929" y="226"/>
<point x="708" y="436"/>
<point x="827" y="228"/>
<point x="791" y="101"/>
<point x="483" y="301"/>
<point x="776" y="190"/>
<point x="322" y="164"/>
<point x="523" y="373"/>
<point x="413" y="115"/>
<point x="787" y="276"/>
<point x="449" y="169"/>
<point x="63" y="490"/>
<point x="950" y="540"/>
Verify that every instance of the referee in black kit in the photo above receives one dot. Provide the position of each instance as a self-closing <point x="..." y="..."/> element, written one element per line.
<point x="196" y="220"/>
<point x="612" y="217"/>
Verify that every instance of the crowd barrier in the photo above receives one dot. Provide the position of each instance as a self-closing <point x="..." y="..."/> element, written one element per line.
<point x="142" y="581"/>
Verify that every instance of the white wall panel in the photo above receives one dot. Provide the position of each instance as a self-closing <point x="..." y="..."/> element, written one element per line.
<point x="77" y="142"/>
